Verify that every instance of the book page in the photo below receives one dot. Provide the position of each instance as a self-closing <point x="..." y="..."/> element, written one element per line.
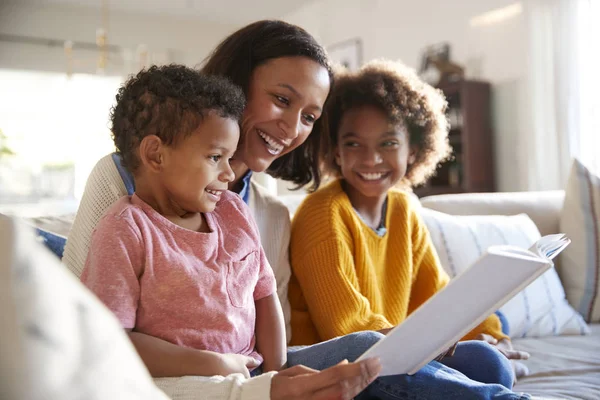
<point x="550" y="246"/>
<point x="455" y="310"/>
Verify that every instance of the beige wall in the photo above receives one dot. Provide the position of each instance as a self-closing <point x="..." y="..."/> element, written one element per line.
<point x="400" y="29"/>
<point x="170" y="39"/>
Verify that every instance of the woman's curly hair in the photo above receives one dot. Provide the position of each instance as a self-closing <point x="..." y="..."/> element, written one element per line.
<point x="396" y="90"/>
<point x="170" y="102"/>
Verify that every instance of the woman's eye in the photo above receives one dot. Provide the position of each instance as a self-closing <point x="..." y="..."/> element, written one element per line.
<point x="282" y="100"/>
<point x="351" y="144"/>
<point x="310" y="118"/>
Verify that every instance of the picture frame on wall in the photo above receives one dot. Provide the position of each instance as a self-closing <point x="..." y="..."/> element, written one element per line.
<point x="348" y="53"/>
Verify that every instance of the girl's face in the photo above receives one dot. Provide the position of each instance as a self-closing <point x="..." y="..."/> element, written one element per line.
<point x="285" y="97"/>
<point x="372" y="153"/>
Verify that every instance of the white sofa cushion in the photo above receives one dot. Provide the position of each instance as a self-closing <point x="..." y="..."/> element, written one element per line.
<point x="57" y="341"/>
<point x="540" y="309"/>
<point x="580" y="263"/>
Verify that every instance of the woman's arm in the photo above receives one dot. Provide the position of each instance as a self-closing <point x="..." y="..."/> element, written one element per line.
<point x="104" y="187"/>
<point x="270" y="333"/>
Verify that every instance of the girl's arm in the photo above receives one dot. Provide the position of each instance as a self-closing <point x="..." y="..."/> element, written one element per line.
<point x="430" y="277"/>
<point x="330" y="286"/>
<point x="270" y="333"/>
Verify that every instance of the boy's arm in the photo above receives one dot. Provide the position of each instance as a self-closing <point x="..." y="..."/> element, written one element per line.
<point x="165" y="359"/>
<point x="270" y="333"/>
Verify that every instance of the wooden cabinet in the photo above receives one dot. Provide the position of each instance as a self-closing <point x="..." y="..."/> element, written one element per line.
<point x="471" y="168"/>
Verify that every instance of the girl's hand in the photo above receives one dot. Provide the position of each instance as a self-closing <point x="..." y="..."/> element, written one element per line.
<point x="343" y="381"/>
<point x="504" y="346"/>
<point x="228" y="364"/>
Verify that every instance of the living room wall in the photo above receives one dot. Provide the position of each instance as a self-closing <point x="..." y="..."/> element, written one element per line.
<point x="171" y="39"/>
<point x="400" y="29"/>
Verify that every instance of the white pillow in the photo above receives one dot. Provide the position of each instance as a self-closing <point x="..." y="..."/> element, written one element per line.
<point x="57" y="341"/>
<point x="579" y="265"/>
<point x="538" y="310"/>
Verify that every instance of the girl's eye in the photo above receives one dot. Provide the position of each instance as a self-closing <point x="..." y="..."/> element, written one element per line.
<point x="215" y="157"/>
<point x="389" y="143"/>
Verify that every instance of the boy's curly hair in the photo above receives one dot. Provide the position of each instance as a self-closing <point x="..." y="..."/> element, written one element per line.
<point x="396" y="90"/>
<point x="170" y="102"/>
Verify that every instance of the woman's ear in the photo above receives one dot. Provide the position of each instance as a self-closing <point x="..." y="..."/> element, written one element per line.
<point x="151" y="153"/>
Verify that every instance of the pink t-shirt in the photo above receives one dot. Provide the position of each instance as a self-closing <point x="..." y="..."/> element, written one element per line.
<point x="189" y="288"/>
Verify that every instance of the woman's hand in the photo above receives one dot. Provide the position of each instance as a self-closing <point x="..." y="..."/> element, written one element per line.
<point x="504" y="346"/>
<point x="343" y="381"/>
<point x="228" y="364"/>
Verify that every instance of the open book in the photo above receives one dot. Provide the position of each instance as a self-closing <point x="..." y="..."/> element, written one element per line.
<point x="498" y="275"/>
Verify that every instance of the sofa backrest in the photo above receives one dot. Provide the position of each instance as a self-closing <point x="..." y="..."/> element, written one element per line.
<point x="543" y="207"/>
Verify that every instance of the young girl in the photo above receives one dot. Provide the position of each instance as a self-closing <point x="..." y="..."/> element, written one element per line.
<point x="361" y="257"/>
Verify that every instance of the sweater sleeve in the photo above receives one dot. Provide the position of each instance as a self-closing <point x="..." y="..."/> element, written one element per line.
<point x="104" y="187"/>
<point x="232" y="387"/>
<point x="430" y="278"/>
<point x="330" y="286"/>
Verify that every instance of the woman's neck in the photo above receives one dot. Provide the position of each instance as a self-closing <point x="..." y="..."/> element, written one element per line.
<point x="239" y="169"/>
<point x="369" y="208"/>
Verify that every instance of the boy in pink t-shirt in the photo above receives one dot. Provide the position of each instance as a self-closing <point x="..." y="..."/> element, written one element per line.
<point x="180" y="262"/>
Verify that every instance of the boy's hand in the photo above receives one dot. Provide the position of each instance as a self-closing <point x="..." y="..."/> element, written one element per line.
<point x="228" y="364"/>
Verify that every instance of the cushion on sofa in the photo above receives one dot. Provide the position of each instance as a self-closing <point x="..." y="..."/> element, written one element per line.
<point x="541" y="308"/>
<point x="58" y="341"/>
<point x="579" y="266"/>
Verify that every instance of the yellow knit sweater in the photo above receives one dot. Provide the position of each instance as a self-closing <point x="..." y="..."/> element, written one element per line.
<point x="347" y="279"/>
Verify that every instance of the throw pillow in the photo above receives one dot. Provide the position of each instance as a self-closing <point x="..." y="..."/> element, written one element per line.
<point x="579" y="266"/>
<point x="57" y="340"/>
<point x="538" y="310"/>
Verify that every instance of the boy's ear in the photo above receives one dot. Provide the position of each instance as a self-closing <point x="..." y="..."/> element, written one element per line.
<point x="151" y="153"/>
<point x="412" y="155"/>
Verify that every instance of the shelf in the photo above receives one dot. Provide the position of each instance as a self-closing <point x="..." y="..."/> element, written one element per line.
<point x="425" y="191"/>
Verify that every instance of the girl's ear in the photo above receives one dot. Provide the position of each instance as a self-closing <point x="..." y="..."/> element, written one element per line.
<point x="151" y="153"/>
<point x="338" y="159"/>
<point x="412" y="155"/>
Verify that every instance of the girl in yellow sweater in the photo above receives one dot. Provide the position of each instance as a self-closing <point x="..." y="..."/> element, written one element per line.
<point x="361" y="256"/>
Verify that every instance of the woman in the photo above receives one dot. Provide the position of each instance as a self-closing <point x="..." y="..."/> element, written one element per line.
<point x="286" y="77"/>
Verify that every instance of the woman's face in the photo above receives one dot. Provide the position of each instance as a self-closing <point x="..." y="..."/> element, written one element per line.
<point x="285" y="97"/>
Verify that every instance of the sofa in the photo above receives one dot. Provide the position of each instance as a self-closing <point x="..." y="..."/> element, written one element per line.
<point x="563" y="365"/>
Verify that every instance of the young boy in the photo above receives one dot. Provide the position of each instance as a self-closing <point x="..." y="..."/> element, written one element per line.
<point x="180" y="262"/>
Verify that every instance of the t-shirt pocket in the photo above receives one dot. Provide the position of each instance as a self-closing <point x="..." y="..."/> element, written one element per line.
<point x="242" y="277"/>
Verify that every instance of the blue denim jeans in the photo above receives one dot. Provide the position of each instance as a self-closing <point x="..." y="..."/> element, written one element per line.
<point x="476" y="371"/>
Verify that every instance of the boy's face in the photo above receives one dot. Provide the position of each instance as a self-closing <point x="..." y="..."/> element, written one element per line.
<point x="372" y="153"/>
<point x="196" y="168"/>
